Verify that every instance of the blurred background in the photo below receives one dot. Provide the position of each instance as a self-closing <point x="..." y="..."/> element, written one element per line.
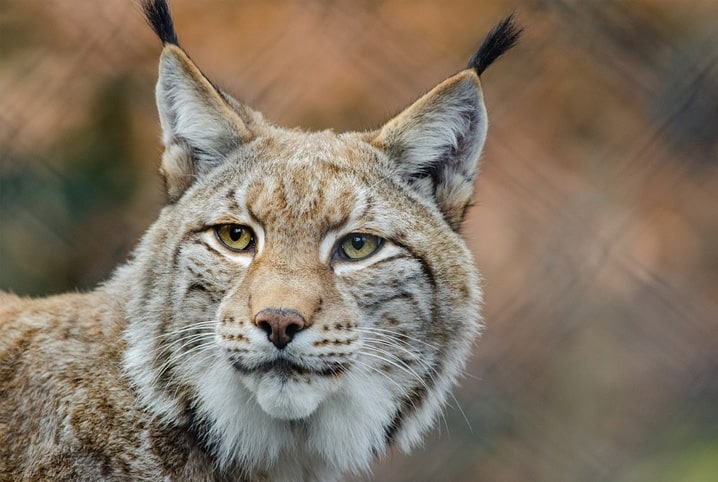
<point x="596" y="224"/>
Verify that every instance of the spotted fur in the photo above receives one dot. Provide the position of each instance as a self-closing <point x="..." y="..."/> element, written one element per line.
<point x="165" y="373"/>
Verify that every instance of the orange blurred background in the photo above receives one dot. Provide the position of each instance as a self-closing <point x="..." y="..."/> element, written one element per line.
<point x="596" y="225"/>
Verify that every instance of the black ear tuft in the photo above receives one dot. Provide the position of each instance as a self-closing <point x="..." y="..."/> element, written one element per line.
<point x="157" y="13"/>
<point x="501" y="38"/>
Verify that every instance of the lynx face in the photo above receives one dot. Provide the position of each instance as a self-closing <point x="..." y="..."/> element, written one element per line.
<point x="301" y="281"/>
<point x="303" y="302"/>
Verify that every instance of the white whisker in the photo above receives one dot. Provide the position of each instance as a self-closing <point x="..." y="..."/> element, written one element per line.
<point x="431" y="372"/>
<point x="190" y="328"/>
<point x="177" y="352"/>
<point x="397" y="336"/>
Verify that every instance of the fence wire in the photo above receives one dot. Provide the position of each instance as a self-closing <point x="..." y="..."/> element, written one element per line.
<point x="596" y="225"/>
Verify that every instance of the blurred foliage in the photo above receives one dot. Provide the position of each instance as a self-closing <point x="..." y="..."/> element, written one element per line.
<point x="57" y="223"/>
<point x="597" y="219"/>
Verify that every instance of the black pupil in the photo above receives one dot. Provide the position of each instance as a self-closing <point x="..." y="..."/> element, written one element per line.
<point x="358" y="242"/>
<point x="236" y="233"/>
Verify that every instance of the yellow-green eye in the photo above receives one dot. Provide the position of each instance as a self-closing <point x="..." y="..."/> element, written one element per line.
<point x="356" y="246"/>
<point x="235" y="236"/>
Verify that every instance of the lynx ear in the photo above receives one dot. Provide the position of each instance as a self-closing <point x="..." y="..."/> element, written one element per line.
<point x="199" y="126"/>
<point x="435" y="143"/>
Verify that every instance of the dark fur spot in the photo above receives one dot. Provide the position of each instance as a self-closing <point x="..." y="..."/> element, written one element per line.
<point x="234" y="337"/>
<point x="197" y="287"/>
<point x="410" y="403"/>
<point x="206" y="245"/>
<point x="372" y="301"/>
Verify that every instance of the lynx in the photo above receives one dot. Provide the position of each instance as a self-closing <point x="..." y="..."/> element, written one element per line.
<point x="303" y="303"/>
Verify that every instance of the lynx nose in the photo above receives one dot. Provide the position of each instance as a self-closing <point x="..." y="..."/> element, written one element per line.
<point x="280" y="324"/>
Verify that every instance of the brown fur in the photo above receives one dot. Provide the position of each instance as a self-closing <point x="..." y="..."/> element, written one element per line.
<point x="166" y="373"/>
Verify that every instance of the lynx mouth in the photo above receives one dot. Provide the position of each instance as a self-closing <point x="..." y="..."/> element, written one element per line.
<point x="285" y="368"/>
<point x="288" y="390"/>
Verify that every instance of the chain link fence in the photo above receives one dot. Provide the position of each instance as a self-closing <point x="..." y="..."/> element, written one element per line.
<point x="596" y="225"/>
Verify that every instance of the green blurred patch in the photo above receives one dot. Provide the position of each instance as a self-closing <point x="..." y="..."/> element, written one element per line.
<point x="60" y="214"/>
<point x="98" y="155"/>
<point x="697" y="462"/>
<point x="683" y="448"/>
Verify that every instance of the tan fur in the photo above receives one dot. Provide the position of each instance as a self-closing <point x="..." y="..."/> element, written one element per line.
<point x="65" y="411"/>
<point x="165" y="372"/>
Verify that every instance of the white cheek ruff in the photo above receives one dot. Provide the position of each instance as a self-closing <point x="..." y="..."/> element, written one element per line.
<point x="292" y="399"/>
<point x="240" y="430"/>
<point x="343" y="420"/>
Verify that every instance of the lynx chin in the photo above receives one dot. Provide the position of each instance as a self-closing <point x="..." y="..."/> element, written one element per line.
<point x="303" y="303"/>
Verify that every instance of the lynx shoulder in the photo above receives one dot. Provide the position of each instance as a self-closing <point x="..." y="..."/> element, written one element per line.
<point x="303" y="303"/>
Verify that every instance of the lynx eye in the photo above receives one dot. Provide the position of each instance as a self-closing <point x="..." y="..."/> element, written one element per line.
<point x="357" y="246"/>
<point x="235" y="236"/>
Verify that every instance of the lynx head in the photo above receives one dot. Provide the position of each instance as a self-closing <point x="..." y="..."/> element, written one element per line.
<point x="304" y="300"/>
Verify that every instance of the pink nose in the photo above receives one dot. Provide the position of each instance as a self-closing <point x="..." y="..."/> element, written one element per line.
<point x="280" y="324"/>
